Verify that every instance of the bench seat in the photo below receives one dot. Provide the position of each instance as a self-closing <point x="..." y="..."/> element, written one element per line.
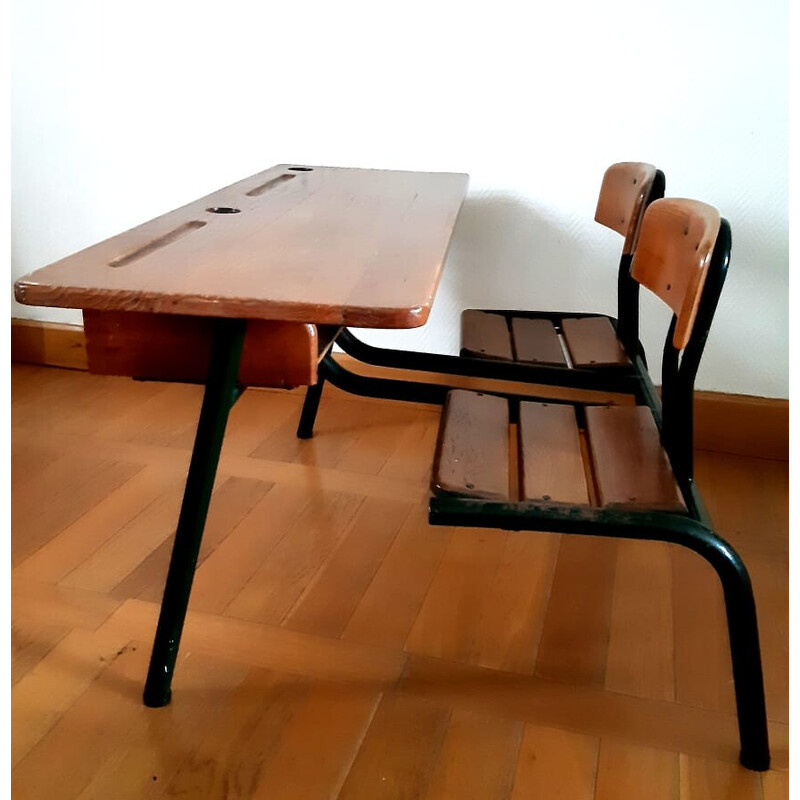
<point x="587" y="342"/>
<point x="600" y="456"/>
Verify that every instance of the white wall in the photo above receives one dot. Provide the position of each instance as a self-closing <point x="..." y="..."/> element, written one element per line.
<point x="120" y="115"/>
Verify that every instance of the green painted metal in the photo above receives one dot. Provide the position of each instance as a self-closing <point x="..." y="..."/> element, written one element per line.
<point x="220" y="394"/>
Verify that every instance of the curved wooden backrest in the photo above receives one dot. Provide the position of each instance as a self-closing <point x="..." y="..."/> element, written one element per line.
<point x="622" y="199"/>
<point x="672" y="256"/>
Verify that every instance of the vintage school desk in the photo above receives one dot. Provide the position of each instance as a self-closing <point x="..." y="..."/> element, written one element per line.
<point x="248" y="287"/>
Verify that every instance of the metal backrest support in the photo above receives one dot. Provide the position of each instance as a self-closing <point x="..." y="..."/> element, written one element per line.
<point x="627" y="190"/>
<point x="682" y="256"/>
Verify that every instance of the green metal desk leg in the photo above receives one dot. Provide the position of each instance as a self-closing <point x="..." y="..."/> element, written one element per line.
<point x="220" y="394"/>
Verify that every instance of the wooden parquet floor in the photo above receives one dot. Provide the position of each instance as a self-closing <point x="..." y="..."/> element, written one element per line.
<point x="337" y="646"/>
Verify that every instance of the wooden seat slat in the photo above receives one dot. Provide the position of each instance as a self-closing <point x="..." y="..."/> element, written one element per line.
<point x="551" y="465"/>
<point x="472" y="453"/>
<point x="536" y="340"/>
<point x="630" y="466"/>
<point x="593" y="342"/>
<point x="485" y="335"/>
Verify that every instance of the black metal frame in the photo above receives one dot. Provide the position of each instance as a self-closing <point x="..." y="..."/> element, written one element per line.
<point x="673" y="414"/>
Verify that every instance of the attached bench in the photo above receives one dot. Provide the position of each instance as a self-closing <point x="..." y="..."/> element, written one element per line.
<point x="621" y="471"/>
<point x="569" y="341"/>
<point x="597" y="456"/>
<point x="578" y="341"/>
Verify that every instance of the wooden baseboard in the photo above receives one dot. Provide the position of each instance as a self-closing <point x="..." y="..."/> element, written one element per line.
<point x="743" y="424"/>
<point x="726" y="423"/>
<point x="48" y="344"/>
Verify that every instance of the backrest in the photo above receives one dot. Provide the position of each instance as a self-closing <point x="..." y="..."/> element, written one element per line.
<point x="627" y="190"/>
<point x="682" y="257"/>
<point x="624" y="195"/>
<point x="673" y="256"/>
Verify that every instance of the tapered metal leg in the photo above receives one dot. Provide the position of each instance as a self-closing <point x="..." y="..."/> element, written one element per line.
<point x="748" y="679"/>
<point x="308" y="416"/>
<point x="220" y="394"/>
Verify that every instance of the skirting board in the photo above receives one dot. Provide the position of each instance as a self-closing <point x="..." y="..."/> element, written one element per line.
<point x="726" y="423"/>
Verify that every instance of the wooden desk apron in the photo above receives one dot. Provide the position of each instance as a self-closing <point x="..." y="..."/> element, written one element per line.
<point x="298" y="251"/>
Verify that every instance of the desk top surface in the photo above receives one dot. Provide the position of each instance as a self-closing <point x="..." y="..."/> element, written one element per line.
<point x="321" y="245"/>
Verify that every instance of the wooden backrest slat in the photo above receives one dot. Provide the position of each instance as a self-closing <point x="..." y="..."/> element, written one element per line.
<point x="631" y="469"/>
<point x="673" y="254"/>
<point x="472" y="452"/>
<point x="551" y="466"/>
<point x="593" y="342"/>
<point x="623" y="193"/>
<point x="536" y="340"/>
<point x="485" y="335"/>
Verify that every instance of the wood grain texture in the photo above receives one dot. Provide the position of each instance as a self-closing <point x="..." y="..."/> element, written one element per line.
<point x="760" y="533"/>
<point x="48" y="343"/>
<point x="328" y="602"/>
<point x="266" y="646"/>
<point x="592" y="342"/>
<point x="588" y="710"/>
<point x="708" y="779"/>
<point x="701" y="637"/>
<point x="536" y="341"/>
<point x="318" y="743"/>
<point x="641" y="643"/>
<point x="477" y="758"/>
<point x="96" y="725"/>
<point x="230" y="755"/>
<point x="626" y="771"/>
<point x="72" y="487"/>
<point x="508" y="631"/>
<point x="623" y="193"/>
<point x="485" y="335"/>
<point x="319" y="245"/>
<point x="39" y="700"/>
<point x="673" y="255"/>
<point x="280" y="581"/>
<point x="268" y="710"/>
<point x="400" y="750"/>
<point x="153" y="747"/>
<point x="392" y="601"/>
<point x="574" y="642"/>
<point x="742" y="425"/>
<point x="175" y="347"/>
<point x="775" y="785"/>
<point x="232" y="500"/>
<point x="630" y="466"/>
<point x="447" y="622"/>
<point x="31" y="641"/>
<point x="60" y="605"/>
<point x="472" y="453"/>
<point x="555" y="763"/>
<point x="551" y="464"/>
